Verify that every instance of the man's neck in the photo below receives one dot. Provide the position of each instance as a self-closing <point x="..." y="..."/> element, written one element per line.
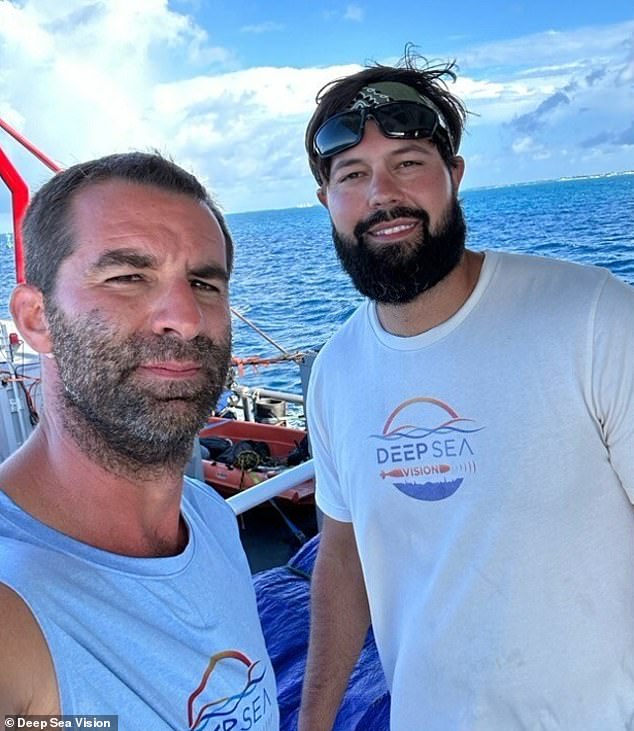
<point x="436" y="305"/>
<point x="51" y="478"/>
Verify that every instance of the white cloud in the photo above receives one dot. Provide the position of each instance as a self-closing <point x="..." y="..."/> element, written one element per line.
<point x="244" y="126"/>
<point x="88" y="77"/>
<point x="524" y="144"/>
<point x="549" y="48"/>
<point x="528" y="146"/>
<point x="99" y="74"/>
<point x="79" y="76"/>
<point x="267" y="27"/>
<point x="270" y="91"/>
<point x="354" y="13"/>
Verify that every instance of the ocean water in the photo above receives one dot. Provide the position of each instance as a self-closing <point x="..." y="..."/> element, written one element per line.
<point x="287" y="279"/>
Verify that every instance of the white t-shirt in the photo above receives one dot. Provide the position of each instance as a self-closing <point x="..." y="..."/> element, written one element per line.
<point x="487" y="466"/>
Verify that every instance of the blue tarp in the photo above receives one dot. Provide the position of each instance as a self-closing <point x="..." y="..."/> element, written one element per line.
<point x="283" y="601"/>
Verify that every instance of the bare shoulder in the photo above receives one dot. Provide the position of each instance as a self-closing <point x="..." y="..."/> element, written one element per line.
<point x="27" y="676"/>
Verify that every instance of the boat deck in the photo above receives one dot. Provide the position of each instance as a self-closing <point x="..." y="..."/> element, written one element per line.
<point x="267" y="539"/>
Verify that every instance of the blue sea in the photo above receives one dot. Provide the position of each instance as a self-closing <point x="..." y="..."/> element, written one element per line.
<point x="288" y="281"/>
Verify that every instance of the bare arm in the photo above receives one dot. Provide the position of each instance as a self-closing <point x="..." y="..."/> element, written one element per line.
<point x="27" y="678"/>
<point x="338" y="625"/>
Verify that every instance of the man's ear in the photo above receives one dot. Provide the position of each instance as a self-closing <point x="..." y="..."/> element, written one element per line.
<point x="27" y="309"/>
<point x="321" y="195"/>
<point x="457" y="171"/>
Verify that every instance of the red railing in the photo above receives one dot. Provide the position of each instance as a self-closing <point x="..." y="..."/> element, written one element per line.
<point x="19" y="191"/>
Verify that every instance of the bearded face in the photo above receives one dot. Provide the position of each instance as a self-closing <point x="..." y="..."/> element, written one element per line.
<point x="117" y="415"/>
<point x="397" y="273"/>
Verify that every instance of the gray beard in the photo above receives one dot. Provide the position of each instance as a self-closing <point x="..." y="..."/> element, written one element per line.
<point x="129" y="428"/>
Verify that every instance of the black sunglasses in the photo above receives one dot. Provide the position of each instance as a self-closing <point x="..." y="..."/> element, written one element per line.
<point x="400" y="119"/>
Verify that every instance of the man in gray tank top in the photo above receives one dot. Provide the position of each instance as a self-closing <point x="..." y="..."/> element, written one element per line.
<point x="124" y="590"/>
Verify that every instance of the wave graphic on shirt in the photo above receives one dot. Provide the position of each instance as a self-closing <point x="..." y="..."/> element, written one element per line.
<point x="409" y="431"/>
<point x="226" y="705"/>
<point x="425" y="438"/>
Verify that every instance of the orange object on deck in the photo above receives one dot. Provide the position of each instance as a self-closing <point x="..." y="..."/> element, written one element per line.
<point x="280" y="440"/>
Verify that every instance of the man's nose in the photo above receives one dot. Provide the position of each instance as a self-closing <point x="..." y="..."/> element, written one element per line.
<point x="177" y="311"/>
<point x="383" y="190"/>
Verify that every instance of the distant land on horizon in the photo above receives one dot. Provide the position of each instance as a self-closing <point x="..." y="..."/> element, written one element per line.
<point x="563" y="179"/>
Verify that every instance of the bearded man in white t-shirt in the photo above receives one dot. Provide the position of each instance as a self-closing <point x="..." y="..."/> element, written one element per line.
<point x="472" y="426"/>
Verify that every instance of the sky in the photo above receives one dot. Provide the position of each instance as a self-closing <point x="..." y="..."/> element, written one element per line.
<point x="225" y="87"/>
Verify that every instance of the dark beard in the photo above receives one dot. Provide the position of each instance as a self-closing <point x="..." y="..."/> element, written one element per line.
<point x="127" y="426"/>
<point x="397" y="273"/>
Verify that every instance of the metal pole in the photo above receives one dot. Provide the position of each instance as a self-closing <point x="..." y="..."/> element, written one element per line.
<point x="247" y="406"/>
<point x="291" y="398"/>
<point x="268" y="489"/>
<point x="259" y="332"/>
<point x="5" y="350"/>
<point x="44" y="159"/>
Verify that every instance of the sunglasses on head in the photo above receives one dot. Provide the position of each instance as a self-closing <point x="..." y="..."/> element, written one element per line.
<point x="400" y="119"/>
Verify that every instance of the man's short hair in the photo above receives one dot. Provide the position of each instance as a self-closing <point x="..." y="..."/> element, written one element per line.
<point x="47" y="228"/>
<point x="413" y="70"/>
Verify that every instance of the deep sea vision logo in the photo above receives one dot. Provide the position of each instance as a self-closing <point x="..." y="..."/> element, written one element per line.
<point x="426" y="449"/>
<point x="242" y="710"/>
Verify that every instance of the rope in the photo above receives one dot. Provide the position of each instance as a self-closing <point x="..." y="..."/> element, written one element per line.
<point x="255" y="361"/>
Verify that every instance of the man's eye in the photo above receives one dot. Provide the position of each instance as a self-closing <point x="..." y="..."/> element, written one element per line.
<point x="354" y="175"/>
<point x="204" y="286"/>
<point x="124" y="278"/>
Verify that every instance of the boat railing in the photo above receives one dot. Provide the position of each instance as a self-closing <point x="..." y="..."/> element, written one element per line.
<point x="247" y="392"/>
<point x="251" y="399"/>
<point x="272" y="487"/>
<point x="19" y="190"/>
<point x="286" y="480"/>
